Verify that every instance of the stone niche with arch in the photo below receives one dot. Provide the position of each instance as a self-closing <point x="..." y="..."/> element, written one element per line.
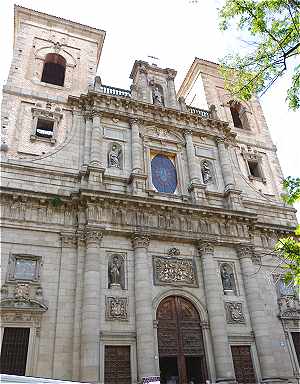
<point x="51" y="53"/>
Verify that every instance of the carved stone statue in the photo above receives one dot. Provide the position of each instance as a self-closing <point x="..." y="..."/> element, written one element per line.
<point x="227" y="278"/>
<point x="114" y="156"/>
<point x="206" y="172"/>
<point x="115" y="271"/>
<point x="157" y="97"/>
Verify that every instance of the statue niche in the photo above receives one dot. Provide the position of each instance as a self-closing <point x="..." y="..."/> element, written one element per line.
<point x="157" y="95"/>
<point x="207" y="172"/>
<point x="228" y="279"/>
<point x="115" y="156"/>
<point x="116" y="275"/>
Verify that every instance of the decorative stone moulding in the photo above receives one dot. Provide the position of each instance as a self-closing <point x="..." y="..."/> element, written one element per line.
<point x="174" y="271"/>
<point x="116" y="308"/>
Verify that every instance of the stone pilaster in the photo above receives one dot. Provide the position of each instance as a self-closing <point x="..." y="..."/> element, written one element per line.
<point x="87" y="137"/>
<point x="137" y="177"/>
<point x="62" y="365"/>
<point x="259" y="324"/>
<point x="215" y="306"/>
<point x="231" y="192"/>
<point x="97" y="163"/>
<point x="91" y="308"/>
<point x="143" y="308"/>
<point x="81" y="244"/>
<point x="196" y="187"/>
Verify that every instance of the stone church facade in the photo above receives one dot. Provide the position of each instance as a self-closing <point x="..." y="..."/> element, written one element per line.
<point x="137" y="231"/>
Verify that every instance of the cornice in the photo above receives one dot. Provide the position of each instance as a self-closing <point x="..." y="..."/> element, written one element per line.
<point x="128" y="109"/>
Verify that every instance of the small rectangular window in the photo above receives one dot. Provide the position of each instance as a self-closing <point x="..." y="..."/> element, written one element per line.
<point x="14" y="351"/>
<point x="44" y="128"/>
<point x="254" y="169"/>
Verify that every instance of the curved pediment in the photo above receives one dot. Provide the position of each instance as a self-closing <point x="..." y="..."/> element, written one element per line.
<point x="29" y="304"/>
<point x="162" y="134"/>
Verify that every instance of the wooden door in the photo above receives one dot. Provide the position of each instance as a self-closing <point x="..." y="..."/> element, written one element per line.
<point x="180" y="336"/>
<point x="243" y="366"/>
<point x="117" y="364"/>
<point x="14" y="351"/>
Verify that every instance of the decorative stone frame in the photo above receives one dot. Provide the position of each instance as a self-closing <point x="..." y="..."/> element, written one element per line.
<point x="247" y="341"/>
<point x="123" y="338"/>
<point x="40" y="113"/>
<point x="160" y="140"/>
<point x="156" y="260"/>
<point x="29" y="320"/>
<point x="231" y="264"/>
<point x="12" y="266"/>
<point x="121" y="158"/>
<point x="212" y="170"/>
<point x="124" y="280"/>
<point x="254" y="157"/>
<point x="39" y="58"/>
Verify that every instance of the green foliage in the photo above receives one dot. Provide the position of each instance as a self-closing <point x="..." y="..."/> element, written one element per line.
<point x="273" y="29"/>
<point x="289" y="249"/>
<point x="56" y="201"/>
<point x="292" y="190"/>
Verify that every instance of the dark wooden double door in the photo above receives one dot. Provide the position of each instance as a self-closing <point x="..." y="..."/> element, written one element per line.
<point x="180" y="343"/>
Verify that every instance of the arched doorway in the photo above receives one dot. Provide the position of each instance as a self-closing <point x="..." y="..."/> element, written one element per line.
<point x="180" y="342"/>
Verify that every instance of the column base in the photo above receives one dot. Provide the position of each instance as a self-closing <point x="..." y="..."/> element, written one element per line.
<point x="226" y="381"/>
<point x="275" y="380"/>
<point x="233" y="199"/>
<point x="95" y="174"/>
<point x="198" y="193"/>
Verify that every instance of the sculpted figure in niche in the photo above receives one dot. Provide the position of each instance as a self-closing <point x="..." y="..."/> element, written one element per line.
<point x="115" y="270"/>
<point x="206" y="172"/>
<point x="114" y="156"/>
<point x="157" y="96"/>
<point x="227" y="277"/>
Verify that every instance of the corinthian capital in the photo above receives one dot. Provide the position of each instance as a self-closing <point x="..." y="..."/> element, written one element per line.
<point x="140" y="240"/>
<point x="205" y="247"/>
<point x="245" y="250"/>
<point x="134" y="121"/>
<point x="68" y="240"/>
<point x="94" y="237"/>
<point x="96" y="112"/>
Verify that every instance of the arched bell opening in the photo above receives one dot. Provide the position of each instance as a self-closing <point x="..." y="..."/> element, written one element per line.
<point x="54" y="69"/>
<point x="180" y="342"/>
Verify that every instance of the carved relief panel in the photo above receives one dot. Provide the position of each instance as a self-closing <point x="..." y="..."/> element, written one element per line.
<point x="116" y="308"/>
<point x="174" y="271"/>
<point x="234" y="313"/>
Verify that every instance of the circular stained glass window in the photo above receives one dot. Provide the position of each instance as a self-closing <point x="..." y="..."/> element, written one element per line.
<point x="164" y="177"/>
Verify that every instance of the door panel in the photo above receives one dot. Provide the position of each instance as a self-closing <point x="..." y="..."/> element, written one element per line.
<point x="117" y="364"/>
<point x="180" y="335"/>
<point x="243" y="366"/>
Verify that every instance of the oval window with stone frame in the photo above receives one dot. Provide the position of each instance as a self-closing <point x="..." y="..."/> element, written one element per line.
<point x="164" y="175"/>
